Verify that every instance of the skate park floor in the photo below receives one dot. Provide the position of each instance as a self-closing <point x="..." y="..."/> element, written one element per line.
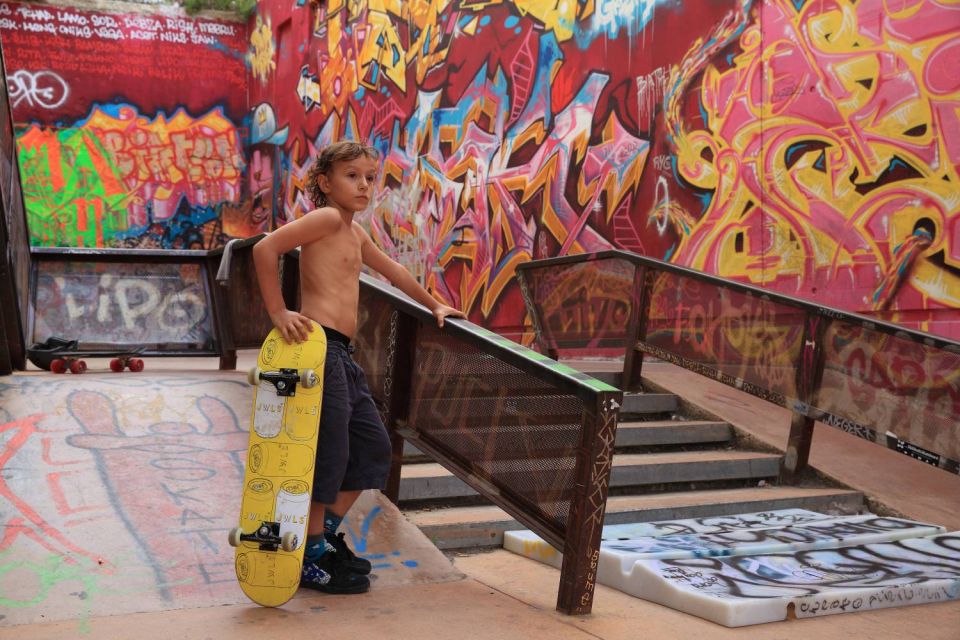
<point x="116" y="492"/>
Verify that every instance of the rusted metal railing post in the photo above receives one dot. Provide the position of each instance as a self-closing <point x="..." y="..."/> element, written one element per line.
<point x="808" y="376"/>
<point x="636" y="330"/>
<point x="219" y="307"/>
<point x="581" y="552"/>
<point x="540" y="338"/>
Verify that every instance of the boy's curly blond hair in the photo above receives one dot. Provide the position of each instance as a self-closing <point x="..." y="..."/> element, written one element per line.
<point x="336" y="152"/>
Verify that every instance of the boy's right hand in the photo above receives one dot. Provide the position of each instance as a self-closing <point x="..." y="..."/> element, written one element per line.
<point x="294" y="327"/>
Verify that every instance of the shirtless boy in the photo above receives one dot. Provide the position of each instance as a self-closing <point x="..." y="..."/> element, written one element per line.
<point x="353" y="451"/>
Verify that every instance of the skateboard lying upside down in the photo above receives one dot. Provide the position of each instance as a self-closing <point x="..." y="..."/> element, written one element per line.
<point x="60" y="355"/>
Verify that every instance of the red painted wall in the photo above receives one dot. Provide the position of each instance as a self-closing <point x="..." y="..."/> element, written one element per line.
<point x="130" y="126"/>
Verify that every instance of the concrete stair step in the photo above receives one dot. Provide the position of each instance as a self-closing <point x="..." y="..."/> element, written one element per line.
<point x="483" y="526"/>
<point x="636" y="434"/>
<point x="431" y="481"/>
<point x="645" y="403"/>
<point x="672" y="432"/>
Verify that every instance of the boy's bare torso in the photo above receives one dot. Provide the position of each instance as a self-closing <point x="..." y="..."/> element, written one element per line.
<point x="330" y="279"/>
<point x="332" y="248"/>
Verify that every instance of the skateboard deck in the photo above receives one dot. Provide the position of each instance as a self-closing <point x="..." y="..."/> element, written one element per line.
<point x="278" y="478"/>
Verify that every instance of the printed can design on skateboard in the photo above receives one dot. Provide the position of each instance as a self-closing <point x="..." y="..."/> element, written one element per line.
<point x="293" y="507"/>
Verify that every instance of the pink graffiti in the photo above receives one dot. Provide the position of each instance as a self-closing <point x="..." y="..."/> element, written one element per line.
<point x="180" y="510"/>
<point x="30" y="523"/>
<point x="858" y="154"/>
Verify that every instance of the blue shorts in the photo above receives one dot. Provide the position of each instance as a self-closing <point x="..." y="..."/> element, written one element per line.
<point x="353" y="450"/>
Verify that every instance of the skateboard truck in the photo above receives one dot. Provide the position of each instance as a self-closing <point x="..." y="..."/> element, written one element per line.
<point x="267" y="536"/>
<point x="284" y="380"/>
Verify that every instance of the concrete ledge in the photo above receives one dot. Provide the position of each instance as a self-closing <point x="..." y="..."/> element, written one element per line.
<point x="618" y="616"/>
<point x="483" y="526"/>
<point x="641" y="403"/>
<point x="672" y="432"/>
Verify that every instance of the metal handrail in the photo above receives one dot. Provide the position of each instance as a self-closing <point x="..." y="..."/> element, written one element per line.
<point x="527" y="360"/>
<point x="809" y="364"/>
<point x="752" y="290"/>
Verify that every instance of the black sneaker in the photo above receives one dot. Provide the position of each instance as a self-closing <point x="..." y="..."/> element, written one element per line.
<point x="347" y="557"/>
<point x="329" y="575"/>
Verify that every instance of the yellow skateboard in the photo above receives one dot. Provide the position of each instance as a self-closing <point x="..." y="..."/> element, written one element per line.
<point x="277" y="484"/>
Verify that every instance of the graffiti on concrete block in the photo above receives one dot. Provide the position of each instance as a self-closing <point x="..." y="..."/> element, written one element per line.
<point x="837" y="532"/>
<point x="752" y="589"/>
<point x="153" y="304"/>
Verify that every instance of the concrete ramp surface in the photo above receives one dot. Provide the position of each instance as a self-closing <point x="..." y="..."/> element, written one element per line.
<point x="117" y="492"/>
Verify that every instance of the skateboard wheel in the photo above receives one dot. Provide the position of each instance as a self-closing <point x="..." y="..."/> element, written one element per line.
<point x="234" y="537"/>
<point x="289" y="541"/>
<point x="308" y="378"/>
<point x="253" y="375"/>
<point x="78" y="366"/>
<point x="135" y="364"/>
<point x="116" y="366"/>
<point x="58" y="366"/>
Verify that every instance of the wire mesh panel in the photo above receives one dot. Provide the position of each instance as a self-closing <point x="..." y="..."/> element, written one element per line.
<point x="893" y="390"/>
<point x="582" y="305"/>
<point x="751" y="342"/>
<point x="531" y="435"/>
<point x="504" y="426"/>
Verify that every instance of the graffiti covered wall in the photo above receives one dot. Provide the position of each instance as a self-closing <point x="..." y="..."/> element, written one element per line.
<point x="129" y="126"/>
<point x="809" y="147"/>
<point x="826" y="150"/>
